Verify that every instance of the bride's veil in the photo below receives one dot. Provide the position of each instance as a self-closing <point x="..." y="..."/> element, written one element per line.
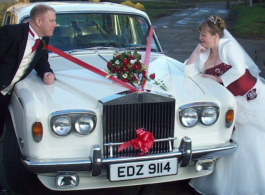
<point x="253" y="68"/>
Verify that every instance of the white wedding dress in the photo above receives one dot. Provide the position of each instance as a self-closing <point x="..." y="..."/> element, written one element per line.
<point x="242" y="173"/>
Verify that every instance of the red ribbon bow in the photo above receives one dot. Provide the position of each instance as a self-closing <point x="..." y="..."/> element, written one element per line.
<point x="144" y="141"/>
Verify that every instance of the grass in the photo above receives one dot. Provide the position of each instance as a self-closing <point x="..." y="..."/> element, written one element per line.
<point x="248" y="23"/>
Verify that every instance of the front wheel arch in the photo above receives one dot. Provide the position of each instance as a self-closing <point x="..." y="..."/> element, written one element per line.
<point x="18" y="178"/>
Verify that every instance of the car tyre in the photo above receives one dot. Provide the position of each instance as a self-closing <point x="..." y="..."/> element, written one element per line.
<point x="18" y="178"/>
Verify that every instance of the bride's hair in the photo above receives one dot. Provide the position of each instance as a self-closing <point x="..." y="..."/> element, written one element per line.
<point x="214" y="25"/>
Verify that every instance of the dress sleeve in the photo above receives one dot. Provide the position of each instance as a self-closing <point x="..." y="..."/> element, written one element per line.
<point x="234" y="57"/>
<point x="197" y="67"/>
<point x="191" y="70"/>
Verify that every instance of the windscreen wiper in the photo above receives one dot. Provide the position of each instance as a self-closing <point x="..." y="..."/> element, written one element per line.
<point x="91" y="48"/>
<point x="139" y="48"/>
<point x="101" y="47"/>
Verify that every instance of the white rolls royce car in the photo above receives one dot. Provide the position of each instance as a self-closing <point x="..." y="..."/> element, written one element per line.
<point x="88" y="131"/>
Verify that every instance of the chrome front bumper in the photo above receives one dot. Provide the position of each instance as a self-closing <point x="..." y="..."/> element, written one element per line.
<point x="96" y="163"/>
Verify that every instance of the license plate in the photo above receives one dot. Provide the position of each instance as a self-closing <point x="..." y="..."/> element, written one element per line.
<point x="144" y="169"/>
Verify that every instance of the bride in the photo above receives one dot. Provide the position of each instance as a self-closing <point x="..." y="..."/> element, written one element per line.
<point x="220" y="57"/>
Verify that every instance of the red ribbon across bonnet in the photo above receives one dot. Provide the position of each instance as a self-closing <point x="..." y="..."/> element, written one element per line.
<point x="99" y="72"/>
<point x="87" y="66"/>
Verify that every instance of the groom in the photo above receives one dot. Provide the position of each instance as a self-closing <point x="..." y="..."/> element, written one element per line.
<point x="22" y="50"/>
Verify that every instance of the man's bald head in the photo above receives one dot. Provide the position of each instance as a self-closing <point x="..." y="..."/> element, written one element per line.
<point x="43" y="20"/>
<point x="39" y="10"/>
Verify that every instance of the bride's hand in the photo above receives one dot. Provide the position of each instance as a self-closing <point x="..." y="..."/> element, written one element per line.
<point x="200" y="48"/>
<point x="195" y="53"/>
<point x="216" y="78"/>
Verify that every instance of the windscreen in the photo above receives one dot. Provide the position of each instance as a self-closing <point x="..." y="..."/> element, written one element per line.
<point x="90" y="30"/>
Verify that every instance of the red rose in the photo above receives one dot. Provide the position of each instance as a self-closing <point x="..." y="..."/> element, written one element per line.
<point x="134" y="78"/>
<point x="109" y="64"/>
<point x="152" y="76"/>
<point x="125" y="80"/>
<point x="114" y="69"/>
<point x="45" y="47"/>
<point x="125" y="61"/>
<point x="118" y="56"/>
<point x="118" y="71"/>
<point x="132" y="57"/>
<point x="139" y="65"/>
<point x="135" y="67"/>
<point x="125" y="68"/>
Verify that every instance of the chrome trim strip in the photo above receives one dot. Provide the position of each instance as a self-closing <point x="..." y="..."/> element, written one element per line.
<point x="157" y="140"/>
<point x="196" y="104"/>
<point x="215" y="151"/>
<point x="40" y="166"/>
<point x="74" y="111"/>
<point x="130" y="97"/>
<point x="57" y="165"/>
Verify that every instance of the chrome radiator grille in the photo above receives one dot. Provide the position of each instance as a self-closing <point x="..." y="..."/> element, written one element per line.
<point x="121" y="120"/>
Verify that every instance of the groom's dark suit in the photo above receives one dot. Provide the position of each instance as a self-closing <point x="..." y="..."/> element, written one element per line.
<point x="13" y="41"/>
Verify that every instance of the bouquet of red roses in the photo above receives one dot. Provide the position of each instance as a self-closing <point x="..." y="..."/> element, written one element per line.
<point x="128" y="68"/>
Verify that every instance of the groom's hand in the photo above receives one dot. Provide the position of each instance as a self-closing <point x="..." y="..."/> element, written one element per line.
<point x="48" y="78"/>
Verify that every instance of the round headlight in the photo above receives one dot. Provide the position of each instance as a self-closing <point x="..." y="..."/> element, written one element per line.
<point x="189" y="117"/>
<point x="84" y="125"/>
<point x="209" y="116"/>
<point x="62" y="126"/>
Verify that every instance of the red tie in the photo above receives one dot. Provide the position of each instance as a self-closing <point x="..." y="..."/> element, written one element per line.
<point x="36" y="45"/>
<point x="37" y="42"/>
